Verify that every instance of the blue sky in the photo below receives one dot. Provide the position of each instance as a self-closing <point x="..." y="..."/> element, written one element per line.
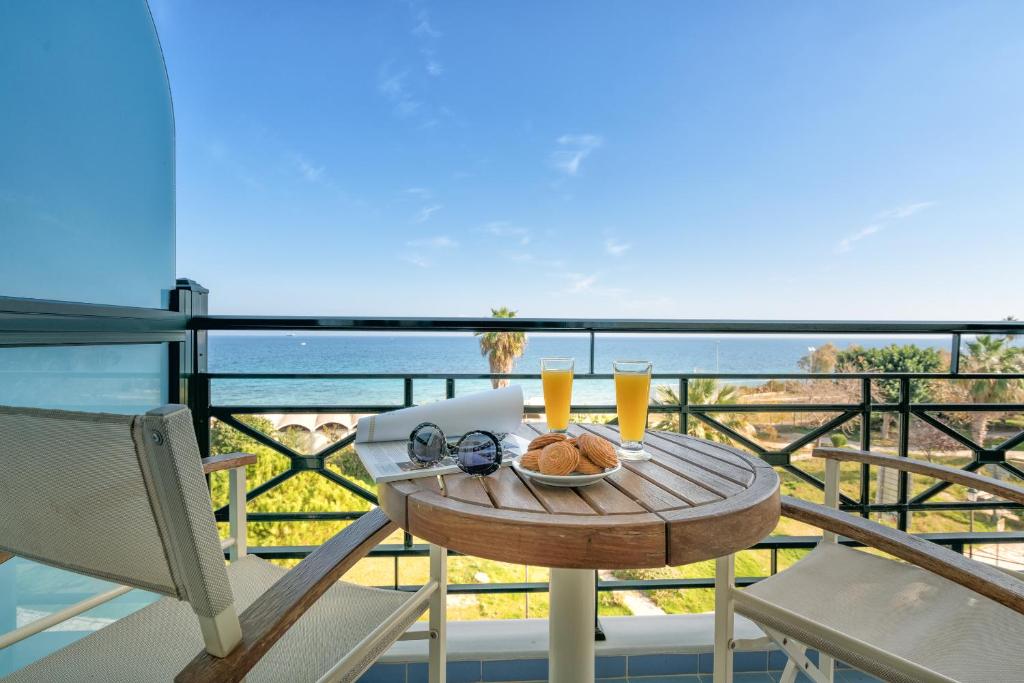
<point x="601" y="159"/>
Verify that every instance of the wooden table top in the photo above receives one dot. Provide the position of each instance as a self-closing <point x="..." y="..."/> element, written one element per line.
<point x="695" y="500"/>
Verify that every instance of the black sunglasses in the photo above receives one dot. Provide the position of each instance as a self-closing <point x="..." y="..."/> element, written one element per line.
<point x="477" y="452"/>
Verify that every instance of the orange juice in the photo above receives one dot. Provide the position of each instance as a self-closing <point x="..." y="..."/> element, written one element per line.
<point x="632" y="393"/>
<point x="557" y="397"/>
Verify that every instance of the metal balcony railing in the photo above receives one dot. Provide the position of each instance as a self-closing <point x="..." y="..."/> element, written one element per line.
<point x="23" y="322"/>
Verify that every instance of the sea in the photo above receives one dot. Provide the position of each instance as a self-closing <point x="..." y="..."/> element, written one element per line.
<point x="460" y="353"/>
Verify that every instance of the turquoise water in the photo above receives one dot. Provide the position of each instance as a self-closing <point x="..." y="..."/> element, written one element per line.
<point x="366" y="353"/>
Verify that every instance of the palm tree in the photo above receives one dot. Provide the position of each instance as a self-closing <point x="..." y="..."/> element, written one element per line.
<point x="992" y="354"/>
<point x="502" y="348"/>
<point x="705" y="391"/>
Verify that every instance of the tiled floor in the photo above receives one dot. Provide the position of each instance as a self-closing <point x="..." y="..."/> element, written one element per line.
<point x="395" y="676"/>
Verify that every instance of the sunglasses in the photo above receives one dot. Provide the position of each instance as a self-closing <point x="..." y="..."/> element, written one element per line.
<point x="477" y="453"/>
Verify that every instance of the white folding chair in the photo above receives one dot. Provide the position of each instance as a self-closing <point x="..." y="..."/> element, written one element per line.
<point x="124" y="498"/>
<point x="937" y="616"/>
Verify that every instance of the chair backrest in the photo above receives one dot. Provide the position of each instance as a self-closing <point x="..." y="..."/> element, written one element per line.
<point x="120" y="497"/>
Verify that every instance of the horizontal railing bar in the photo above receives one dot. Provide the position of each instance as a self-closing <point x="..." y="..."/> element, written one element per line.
<point x="47" y="307"/>
<point x="771" y="542"/>
<point x="374" y="323"/>
<point x="227" y="409"/>
<point x="39" y="322"/>
<point x="397" y="376"/>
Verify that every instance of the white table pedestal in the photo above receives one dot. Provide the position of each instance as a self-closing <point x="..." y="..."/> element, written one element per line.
<point x="571" y="626"/>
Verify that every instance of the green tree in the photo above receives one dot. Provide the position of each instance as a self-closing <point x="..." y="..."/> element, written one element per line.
<point x="705" y="391"/>
<point x="996" y="355"/>
<point x="821" y="359"/>
<point x="502" y="348"/>
<point x="892" y="358"/>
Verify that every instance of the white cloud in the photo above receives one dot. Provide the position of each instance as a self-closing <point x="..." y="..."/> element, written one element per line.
<point x="572" y="150"/>
<point x="846" y="243"/>
<point x="437" y="242"/>
<point x="434" y="67"/>
<point x="419" y="192"/>
<point x="505" y="229"/>
<point x="423" y="27"/>
<point x="426" y="212"/>
<point x="904" y="211"/>
<point x="308" y="169"/>
<point x="616" y="248"/>
<point x="883" y="220"/>
<point x="416" y="260"/>
<point x="394" y="87"/>
<point x="578" y="282"/>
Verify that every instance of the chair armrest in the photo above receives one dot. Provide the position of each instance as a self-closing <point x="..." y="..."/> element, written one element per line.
<point x="4" y="556"/>
<point x="227" y="461"/>
<point x="273" y="613"/>
<point x="981" y="578"/>
<point x="943" y="472"/>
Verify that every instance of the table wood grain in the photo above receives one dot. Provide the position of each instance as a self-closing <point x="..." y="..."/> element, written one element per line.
<point x="695" y="500"/>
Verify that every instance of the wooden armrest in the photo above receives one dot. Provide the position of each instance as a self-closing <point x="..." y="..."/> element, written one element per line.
<point x="4" y="556"/>
<point x="981" y="578"/>
<point x="227" y="461"/>
<point x="943" y="472"/>
<point x="273" y="613"/>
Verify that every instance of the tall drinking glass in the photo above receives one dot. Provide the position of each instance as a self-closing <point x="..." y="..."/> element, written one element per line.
<point x="632" y="396"/>
<point x="556" y="377"/>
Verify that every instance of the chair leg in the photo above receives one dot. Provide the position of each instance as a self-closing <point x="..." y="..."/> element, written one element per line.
<point x="438" y="615"/>
<point x="238" y="526"/>
<point x="798" y="661"/>
<point x="827" y="666"/>
<point x="725" y="580"/>
<point x="789" y="673"/>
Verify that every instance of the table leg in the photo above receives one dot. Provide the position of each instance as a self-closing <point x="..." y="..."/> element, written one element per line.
<point x="571" y="626"/>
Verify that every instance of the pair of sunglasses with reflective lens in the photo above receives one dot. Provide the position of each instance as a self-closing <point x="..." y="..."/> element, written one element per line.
<point x="477" y="453"/>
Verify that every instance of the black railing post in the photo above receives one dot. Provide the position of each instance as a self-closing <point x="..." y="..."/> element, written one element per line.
<point x="904" y="451"/>
<point x="684" y="406"/>
<point x="865" y="443"/>
<point x="188" y="362"/>
<point x="954" y="355"/>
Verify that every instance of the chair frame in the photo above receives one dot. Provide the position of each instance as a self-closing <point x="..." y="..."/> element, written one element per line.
<point x="1001" y="586"/>
<point x="271" y="615"/>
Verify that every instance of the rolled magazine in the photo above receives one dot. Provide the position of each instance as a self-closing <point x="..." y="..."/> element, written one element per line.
<point x="381" y="439"/>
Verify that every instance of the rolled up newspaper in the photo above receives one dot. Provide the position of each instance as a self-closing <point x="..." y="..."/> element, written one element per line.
<point x="499" y="410"/>
<point x="381" y="439"/>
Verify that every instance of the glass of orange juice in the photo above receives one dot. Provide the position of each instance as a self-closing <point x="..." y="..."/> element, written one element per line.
<point x="632" y="396"/>
<point x="556" y="377"/>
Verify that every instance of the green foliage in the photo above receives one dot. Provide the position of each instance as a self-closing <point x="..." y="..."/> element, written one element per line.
<point x="892" y="358"/>
<point x="502" y="348"/>
<point x="839" y="440"/>
<point x="822" y="359"/>
<point x="705" y="391"/>
<point x="304" y="492"/>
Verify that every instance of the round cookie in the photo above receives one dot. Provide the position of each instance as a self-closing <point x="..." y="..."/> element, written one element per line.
<point x="546" y="439"/>
<point x="597" y="450"/>
<point x="531" y="460"/>
<point x="559" y="459"/>
<point x="586" y="467"/>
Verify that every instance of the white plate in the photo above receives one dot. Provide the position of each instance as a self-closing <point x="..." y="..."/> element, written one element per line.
<point x="567" y="480"/>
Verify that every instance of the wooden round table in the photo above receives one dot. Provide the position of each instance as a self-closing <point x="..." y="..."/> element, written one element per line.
<point x="695" y="500"/>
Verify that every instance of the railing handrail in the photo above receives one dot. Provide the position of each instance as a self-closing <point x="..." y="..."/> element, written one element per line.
<point x="584" y="325"/>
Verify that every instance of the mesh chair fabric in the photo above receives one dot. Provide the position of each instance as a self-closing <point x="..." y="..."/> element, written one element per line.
<point x="895" y="607"/>
<point x="73" y="496"/>
<point x="156" y="642"/>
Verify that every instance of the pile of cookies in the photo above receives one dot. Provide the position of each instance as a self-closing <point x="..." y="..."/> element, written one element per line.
<point x="559" y="454"/>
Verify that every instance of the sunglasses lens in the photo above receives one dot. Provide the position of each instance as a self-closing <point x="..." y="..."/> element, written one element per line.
<point x="478" y="454"/>
<point x="427" y="445"/>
